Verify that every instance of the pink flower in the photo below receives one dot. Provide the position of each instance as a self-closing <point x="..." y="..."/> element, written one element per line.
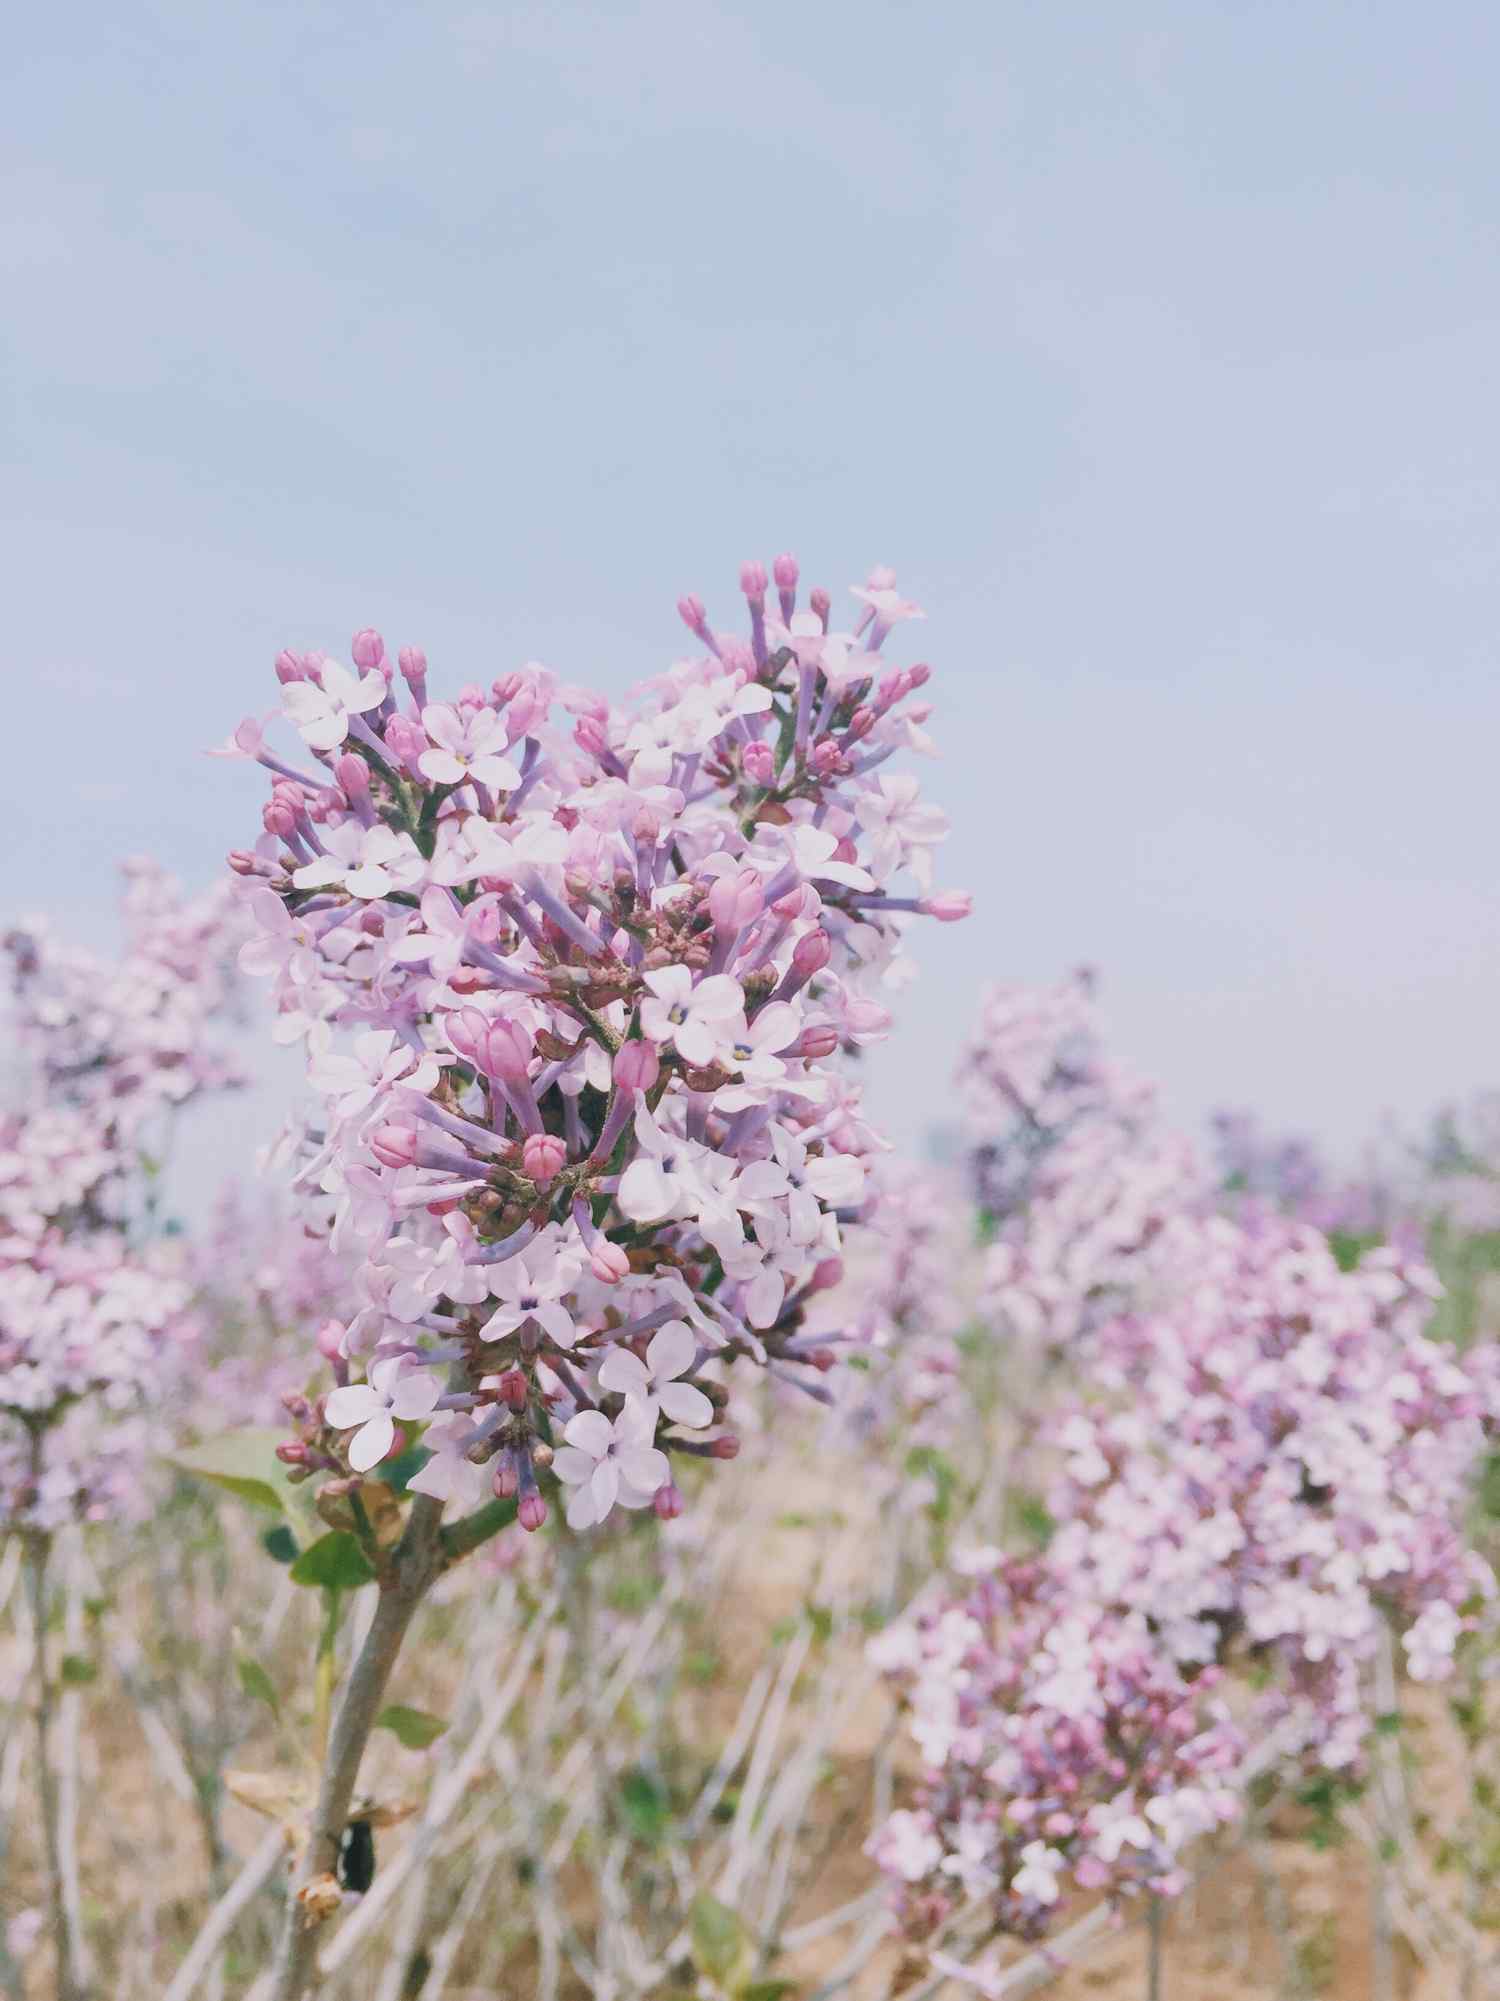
<point x="393" y="1391"/>
<point x="472" y="748"/>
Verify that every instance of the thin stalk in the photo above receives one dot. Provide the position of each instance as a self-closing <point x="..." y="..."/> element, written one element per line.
<point x="416" y="1562"/>
<point x="36" y="1552"/>
<point x="1155" y="1955"/>
<point x="325" y="1673"/>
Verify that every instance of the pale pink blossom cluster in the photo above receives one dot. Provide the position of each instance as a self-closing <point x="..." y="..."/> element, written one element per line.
<point x="1064" y="1749"/>
<point x="574" y="983"/>
<point x="91" y="1316"/>
<point x="1074" y="1170"/>
<point x="129" y="1036"/>
<point x="1263" y="1464"/>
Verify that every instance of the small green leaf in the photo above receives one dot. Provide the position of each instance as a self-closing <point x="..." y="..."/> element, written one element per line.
<point x="720" y="1946"/>
<point x="335" y="1562"/>
<point x="766" y="1990"/>
<point x="415" y="1728"/>
<point x="401" y="1470"/>
<point x="78" y="1671"/>
<point x="280" y="1543"/>
<point x="647" y="1808"/>
<point x="256" y="1683"/>
<point x="243" y="1463"/>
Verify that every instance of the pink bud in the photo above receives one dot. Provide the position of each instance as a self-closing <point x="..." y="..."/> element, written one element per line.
<point x="367" y="648"/>
<point x="532" y="1513"/>
<point x="827" y="1273"/>
<point x="404" y="740"/>
<point x="637" y="1066"/>
<point x="353" y="774"/>
<point x="727" y="1447"/>
<point x="667" y="1501"/>
<point x="822" y="604"/>
<point x="608" y="1262"/>
<point x="506" y="688"/>
<point x="759" y="763"/>
<point x="413" y="663"/>
<point x="278" y="818"/>
<point x="918" y="676"/>
<point x="949" y="906"/>
<point x="514" y="1389"/>
<point x="293" y="1453"/>
<point x="394" y="1146"/>
<point x="753" y="580"/>
<point x="785" y="571"/>
<point x="817" y="1042"/>
<point x="803" y="901"/>
<point x="397" y="1445"/>
<point x="331" y="1340"/>
<point x="811" y="953"/>
<point x="244" y="863"/>
<point x="827" y="759"/>
<point x="544" y="1156"/>
<point x="588" y="734"/>
<point x="861" y="723"/>
<point x="846" y="851"/>
<point x="288" y="667"/>
<point x="690" y="611"/>
<point x="735" y="900"/>
<point x="505" y="1479"/>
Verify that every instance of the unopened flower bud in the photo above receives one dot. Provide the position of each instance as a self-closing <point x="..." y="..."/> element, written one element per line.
<point x="278" y="818"/>
<point x="244" y="863"/>
<point x="532" y="1513"/>
<point x="330" y="1340"/>
<point x="734" y="900"/>
<point x="816" y="1043"/>
<point x="667" y="1502"/>
<point x="690" y="611"/>
<point x="758" y="763"/>
<point x="949" y="906"/>
<point x="395" y="1146"/>
<point x="505" y="1480"/>
<point x="785" y="571"/>
<point x="353" y="775"/>
<point x="811" y="953"/>
<point x="292" y="1453"/>
<point x="727" y="1447"/>
<point x="288" y="667"/>
<point x="413" y="664"/>
<point x="608" y="1262"/>
<point x="367" y="648"/>
<point x="637" y="1066"/>
<point x="822" y="604"/>
<point x="541" y="1454"/>
<point x="753" y="580"/>
<point x="514" y="1389"/>
<point x="544" y="1156"/>
<point x="827" y="1273"/>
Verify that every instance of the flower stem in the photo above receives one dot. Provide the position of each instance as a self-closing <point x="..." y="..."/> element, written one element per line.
<point x="415" y="1564"/>
<point x="36" y="1552"/>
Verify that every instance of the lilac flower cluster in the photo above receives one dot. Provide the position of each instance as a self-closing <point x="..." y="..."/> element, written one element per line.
<point x="86" y="1316"/>
<point x="1073" y="1169"/>
<point x="586" y="1133"/>
<point x="1264" y="1462"/>
<point x="1062" y="1743"/>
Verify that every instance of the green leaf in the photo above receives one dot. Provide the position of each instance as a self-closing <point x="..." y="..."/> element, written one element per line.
<point x="766" y="1990"/>
<point x="415" y="1728"/>
<point x="647" y="1808"/>
<point x="720" y="1946"/>
<point x="78" y="1671"/>
<point x="280" y="1543"/>
<point x="335" y="1562"/>
<point x="256" y="1683"/>
<point x="401" y="1470"/>
<point x="243" y="1463"/>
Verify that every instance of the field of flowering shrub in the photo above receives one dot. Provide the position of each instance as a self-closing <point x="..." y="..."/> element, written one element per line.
<point x="590" y="1519"/>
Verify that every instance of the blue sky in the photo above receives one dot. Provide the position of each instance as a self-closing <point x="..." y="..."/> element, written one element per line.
<point x="1154" y="346"/>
